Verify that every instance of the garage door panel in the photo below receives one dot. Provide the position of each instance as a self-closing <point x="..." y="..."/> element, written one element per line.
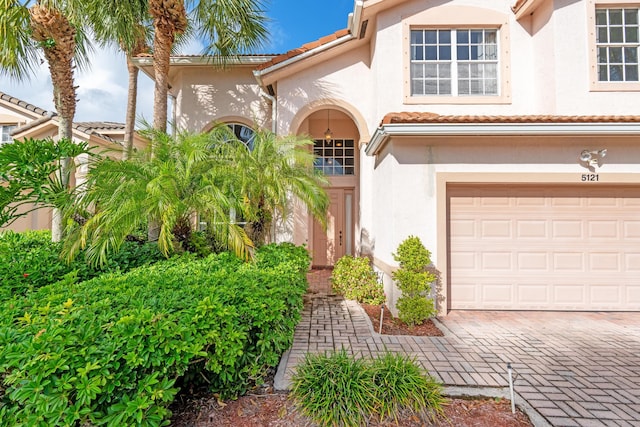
<point x="604" y="262"/>
<point x="532" y="229"/>
<point x="566" y="296"/>
<point x="557" y="249"/>
<point x="563" y="229"/>
<point x="631" y="230"/>
<point x="535" y="262"/>
<point x="568" y="261"/>
<point x="632" y="262"/>
<point x="495" y="229"/>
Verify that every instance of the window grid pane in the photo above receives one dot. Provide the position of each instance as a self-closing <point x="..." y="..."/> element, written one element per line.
<point x="335" y="157"/>
<point x="431" y="62"/>
<point x="5" y="133"/>
<point x="617" y="44"/>
<point x="468" y="58"/>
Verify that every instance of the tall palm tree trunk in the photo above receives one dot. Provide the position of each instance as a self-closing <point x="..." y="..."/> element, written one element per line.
<point x="169" y="19"/>
<point x="57" y="36"/>
<point x="132" y="100"/>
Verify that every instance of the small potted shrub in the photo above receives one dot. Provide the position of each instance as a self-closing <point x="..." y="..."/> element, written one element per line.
<point x="412" y="278"/>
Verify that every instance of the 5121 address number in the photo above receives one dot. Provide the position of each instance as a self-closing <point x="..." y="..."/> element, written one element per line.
<point x="590" y="177"/>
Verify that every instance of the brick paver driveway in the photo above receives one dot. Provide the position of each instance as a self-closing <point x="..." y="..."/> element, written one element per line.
<point x="575" y="369"/>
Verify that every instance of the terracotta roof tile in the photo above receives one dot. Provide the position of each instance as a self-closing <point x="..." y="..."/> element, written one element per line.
<point x="408" y="117"/>
<point x="23" y="104"/>
<point x="101" y="125"/>
<point x="304" y="48"/>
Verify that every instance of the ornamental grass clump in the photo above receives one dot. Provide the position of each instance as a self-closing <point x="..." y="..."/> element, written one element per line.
<point x="354" y="278"/>
<point x="412" y="278"/>
<point x="338" y="390"/>
<point x="334" y="389"/>
<point x="400" y="383"/>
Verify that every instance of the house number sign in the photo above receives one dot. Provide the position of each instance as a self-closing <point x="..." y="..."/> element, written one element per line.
<point x="590" y="177"/>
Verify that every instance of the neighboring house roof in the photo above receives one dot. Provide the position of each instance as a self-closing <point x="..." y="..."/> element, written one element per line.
<point x="88" y="128"/>
<point x="23" y="104"/>
<point x="409" y="124"/>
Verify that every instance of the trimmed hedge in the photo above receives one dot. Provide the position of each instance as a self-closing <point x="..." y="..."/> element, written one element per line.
<point x="114" y="350"/>
<point x="31" y="260"/>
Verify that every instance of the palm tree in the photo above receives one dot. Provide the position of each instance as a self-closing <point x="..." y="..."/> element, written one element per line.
<point x="123" y="24"/>
<point x="230" y="27"/>
<point x="268" y="175"/>
<point x="55" y="30"/>
<point x="183" y="178"/>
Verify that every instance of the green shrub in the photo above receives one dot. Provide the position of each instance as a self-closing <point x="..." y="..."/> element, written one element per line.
<point x="336" y="389"/>
<point x="399" y="382"/>
<point x="355" y="279"/>
<point x="30" y="260"/>
<point x="412" y="278"/>
<point x="115" y="349"/>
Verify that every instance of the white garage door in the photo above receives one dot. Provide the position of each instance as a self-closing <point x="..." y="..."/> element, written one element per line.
<point x="526" y="248"/>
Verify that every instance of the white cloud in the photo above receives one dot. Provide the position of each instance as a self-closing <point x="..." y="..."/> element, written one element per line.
<point x="102" y="89"/>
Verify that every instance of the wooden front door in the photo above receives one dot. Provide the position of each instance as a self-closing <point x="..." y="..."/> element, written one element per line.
<point x="337" y="240"/>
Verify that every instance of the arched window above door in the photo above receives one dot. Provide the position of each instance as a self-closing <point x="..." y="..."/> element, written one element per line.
<point x="244" y="134"/>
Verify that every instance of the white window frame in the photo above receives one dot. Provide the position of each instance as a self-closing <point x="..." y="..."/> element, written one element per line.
<point x="453" y="63"/>
<point x="595" y="84"/>
<point x="9" y="128"/>
<point x="238" y="129"/>
<point x="627" y="44"/>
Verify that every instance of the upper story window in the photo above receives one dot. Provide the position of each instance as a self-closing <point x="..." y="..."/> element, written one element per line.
<point x="459" y="62"/>
<point x="5" y="133"/>
<point x="617" y="44"/>
<point x="335" y="156"/>
<point x="243" y="133"/>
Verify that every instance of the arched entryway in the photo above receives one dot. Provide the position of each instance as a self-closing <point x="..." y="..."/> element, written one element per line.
<point x="336" y="141"/>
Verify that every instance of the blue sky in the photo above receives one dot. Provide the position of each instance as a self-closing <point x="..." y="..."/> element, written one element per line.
<point x="295" y="23"/>
<point x="102" y="90"/>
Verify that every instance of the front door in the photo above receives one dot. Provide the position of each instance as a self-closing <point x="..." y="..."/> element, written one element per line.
<point x="337" y="240"/>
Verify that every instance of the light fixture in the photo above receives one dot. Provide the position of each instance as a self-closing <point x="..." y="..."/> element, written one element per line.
<point x="592" y="157"/>
<point x="328" y="135"/>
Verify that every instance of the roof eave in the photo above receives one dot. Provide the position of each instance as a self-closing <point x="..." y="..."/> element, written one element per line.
<point x="311" y="52"/>
<point x="526" y="7"/>
<point x="384" y="132"/>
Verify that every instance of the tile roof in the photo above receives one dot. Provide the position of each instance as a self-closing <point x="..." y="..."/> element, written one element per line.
<point x="408" y="117"/>
<point x="90" y="128"/>
<point x="304" y="48"/>
<point x="103" y="126"/>
<point x="23" y="104"/>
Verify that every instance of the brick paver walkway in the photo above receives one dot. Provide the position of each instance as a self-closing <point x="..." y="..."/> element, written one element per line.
<point x="575" y="369"/>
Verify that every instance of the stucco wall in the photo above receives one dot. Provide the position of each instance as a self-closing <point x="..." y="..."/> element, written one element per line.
<point x="207" y="94"/>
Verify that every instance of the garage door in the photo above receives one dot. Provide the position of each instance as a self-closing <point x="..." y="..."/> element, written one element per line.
<point x="527" y="248"/>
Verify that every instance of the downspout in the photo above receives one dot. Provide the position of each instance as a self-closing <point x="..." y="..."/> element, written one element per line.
<point x="274" y="110"/>
<point x="274" y="129"/>
<point x="174" y="114"/>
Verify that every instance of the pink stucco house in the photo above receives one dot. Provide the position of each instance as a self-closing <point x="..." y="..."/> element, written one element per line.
<point x="506" y="136"/>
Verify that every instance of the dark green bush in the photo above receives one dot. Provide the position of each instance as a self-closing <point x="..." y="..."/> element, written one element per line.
<point x="354" y="278"/>
<point x="412" y="278"/>
<point x="30" y="260"/>
<point x="114" y="350"/>
<point x="337" y="390"/>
